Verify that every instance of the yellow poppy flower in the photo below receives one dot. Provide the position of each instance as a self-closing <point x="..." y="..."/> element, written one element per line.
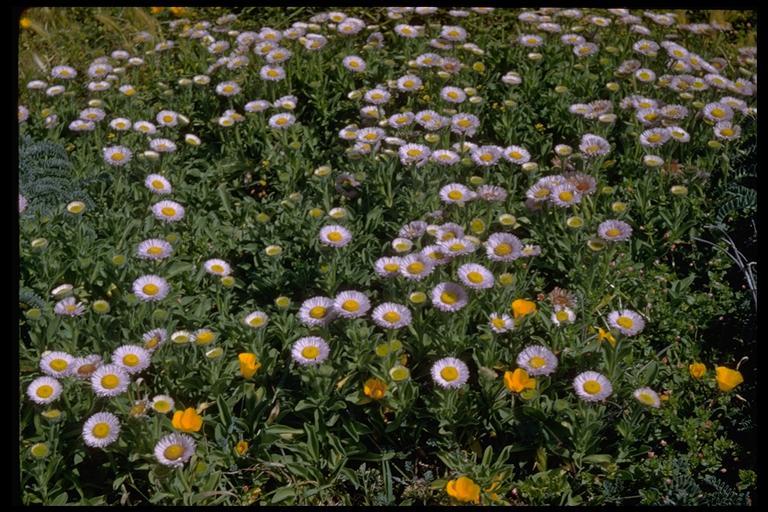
<point x="728" y="379"/>
<point x="463" y="489"/>
<point x="187" y="421"/>
<point x="519" y="380"/>
<point x="249" y="365"/>
<point x="522" y="307"/>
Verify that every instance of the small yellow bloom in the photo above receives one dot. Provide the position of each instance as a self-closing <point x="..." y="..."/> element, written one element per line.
<point x="25" y="23"/>
<point x="463" y="489"/>
<point x="603" y="335"/>
<point x="518" y="381"/>
<point x="156" y="10"/>
<point x="241" y="448"/>
<point x="177" y="11"/>
<point x="375" y="388"/>
<point x="522" y="307"/>
<point x="249" y="365"/>
<point x="728" y="379"/>
<point x="697" y="370"/>
<point x="187" y="421"/>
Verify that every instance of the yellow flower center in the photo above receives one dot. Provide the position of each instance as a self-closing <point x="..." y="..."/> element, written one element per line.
<point x="391" y="316"/>
<point x="335" y="236"/>
<point x="131" y="360"/>
<point x="168" y="211"/>
<point x="456" y="247"/>
<point x="498" y="323"/>
<point x="654" y="137"/>
<point x="486" y="157"/>
<point x="155" y="250"/>
<point x="157" y="184"/>
<point x="110" y="381"/>
<point x="204" y="338"/>
<point x="391" y="267"/>
<point x="542" y="192"/>
<point x="100" y="430"/>
<point x="452" y="94"/>
<point x="408" y="84"/>
<point x="407" y="31"/>
<point x="152" y="342"/>
<point x="561" y="316"/>
<point x="475" y="277"/>
<point x="463" y="123"/>
<point x="162" y="406"/>
<point x="350" y="305"/>
<point x="592" y="387"/>
<point x="566" y="195"/>
<point x="727" y="132"/>
<point x="502" y="249"/>
<point x="455" y="195"/>
<point x="150" y="289"/>
<point x="44" y="391"/>
<point x="354" y="64"/>
<point x="646" y="398"/>
<point x="70" y="308"/>
<point x="310" y="352"/>
<point x="173" y="452"/>
<point x="416" y="267"/>
<point x="644" y="76"/>
<point x="593" y="148"/>
<point x="59" y="365"/>
<point x="272" y="73"/>
<point x="217" y="268"/>
<point x="118" y="156"/>
<point x="625" y="322"/>
<point x="426" y="117"/>
<point x="718" y="112"/>
<point x="449" y="297"/>
<point x="516" y="155"/>
<point x="413" y="152"/>
<point x="317" y="312"/>
<point x="537" y="362"/>
<point x="613" y="232"/>
<point x="449" y="373"/>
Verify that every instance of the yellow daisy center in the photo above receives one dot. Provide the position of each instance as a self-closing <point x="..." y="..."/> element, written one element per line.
<point x="310" y="352"/>
<point x="654" y="137"/>
<point x="449" y="297"/>
<point x="542" y="192"/>
<point x="152" y="342"/>
<point x="475" y="277"/>
<point x="350" y="305"/>
<point x="391" y="267"/>
<point x="335" y="236"/>
<point x="452" y="94"/>
<point x="272" y="73"/>
<point x="44" y="391"/>
<point x="455" y="195"/>
<point x="718" y="112"/>
<point x="118" y="156"/>
<point x="502" y="249"/>
<point x="110" y="381"/>
<point x="464" y="123"/>
<point x="168" y="211"/>
<point x="162" y="406"/>
<point x="157" y="184"/>
<point x="173" y="452"/>
<point x="317" y="312"/>
<point x="727" y="132"/>
<point x="408" y="84"/>
<point x="646" y="398"/>
<point x="592" y="387"/>
<point x="486" y="157"/>
<point x="391" y="316"/>
<point x="155" y="250"/>
<point x="416" y="267"/>
<point x="537" y="362"/>
<point x="449" y="373"/>
<point x="59" y="365"/>
<point x="70" y="308"/>
<point x="217" y="268"/>
<point x="516" y="155"/>
<point x="625" y="322"/>
<point x="456" y="247"/>
<point x="100" y="430"/>
<point x="565" y="196"/>
<point x="413" y="152"/>
<point x="150" y="289"/>
<point x="354" y="64"/>
<point x="561" y="316"/>
<point x="131" y="360"/>
<point x="498" y="323"/>
<point x="613" y="232"/>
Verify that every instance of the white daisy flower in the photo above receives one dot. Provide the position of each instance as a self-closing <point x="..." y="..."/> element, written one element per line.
<point x="335" y="236"/>
<point x="626" y="321"/>
<point x="444" y="157"/>
<point x="256" y="106"/>
<point x="354" y="63"/>
<point x="501" y="323"/>
<point x="450" y="373"/>
<point x="69" y="307"/>
<point x="145" y="127"/>
<point x="182" y="337"/>
<point x="132" y="358"/>
<point x="416" y="267"/>
<point x="63" y="72"/>
<point x="175" y="449"/>
<point x="154" y="249"/>
<point x="456" y="193"/>
<point x="162" y="145"/>
<point x="228" y="89"/>
<point x="162" y="404"/>
<point x="167" y="118"/>
<point x="647" y="396"/>
<point x="154" y="339"/>
<point x="120" y="124"/>
<point x="413" y="153"/>
<point x="351" y="304"/>
<point x="282" y="120"/>
<point x="475" y="276"/>
<point x="388" y="266"/>
<point x="168" y="211"/>
<point x="592" y="386"/>
<point x="390" y="315"/>
<point x="117" y="155"/>
<point x="436" y="254"/>
<point x="458" y="246"/>
<point x="563" y="315"/>
<point x="317" y="311"/>
<point x="56" y="364"/>
<point x="310" y="350"/>
<point x="44" y="390"/>
<point x="486" y="156"/>
<point x="151" y="288"/>
<point x="110" y="380"/>
<point x="217" y="267"/>
<point x="83" y="367"/>
<point x="449" y="297"/>
<point x="408" y="83"/>
<point x="158" y="184"/>
<point x="101" y="430"/>
<point x="453" y="94"/>
<point x="517" y="155"/>
<point x="537" y="360"/>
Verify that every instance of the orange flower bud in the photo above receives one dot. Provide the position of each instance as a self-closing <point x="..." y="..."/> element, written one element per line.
<point x="375" y="388"/>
